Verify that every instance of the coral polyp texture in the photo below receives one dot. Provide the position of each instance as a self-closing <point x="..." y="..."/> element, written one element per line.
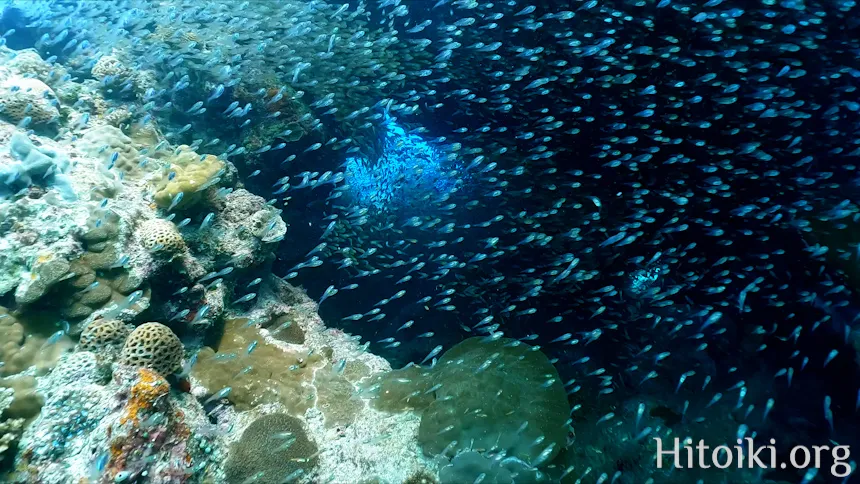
<point x="160" y="235"/>
<point x="103" y="335"/>
<point x="153" y="346"/>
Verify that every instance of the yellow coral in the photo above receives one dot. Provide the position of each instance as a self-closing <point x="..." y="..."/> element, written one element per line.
<point x="192" y="174"/>
<point x="150" y="387"/>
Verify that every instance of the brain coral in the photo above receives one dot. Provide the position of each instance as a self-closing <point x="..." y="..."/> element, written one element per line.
<point x="275" y="448"/>
<point x="153" y="346"/>
<point x="24" y="96"/>
<point x="104" y="334"/>
<point x="158" y="232"/>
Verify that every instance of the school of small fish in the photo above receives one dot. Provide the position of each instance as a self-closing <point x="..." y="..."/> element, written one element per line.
<point x="661" y="195"/>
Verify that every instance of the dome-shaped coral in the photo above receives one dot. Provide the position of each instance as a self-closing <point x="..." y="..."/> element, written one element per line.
<point x="104" y="334"/>
<point x="157" y="233"/>
<point x="105" y="142"/>
<point x="153" y="346"/>
<point x="24" y="96"/>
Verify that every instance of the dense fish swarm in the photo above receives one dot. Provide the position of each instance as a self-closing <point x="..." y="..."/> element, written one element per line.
<point x="659" y="195"/>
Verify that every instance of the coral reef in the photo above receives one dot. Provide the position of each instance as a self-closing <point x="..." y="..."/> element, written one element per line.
<point x="134" y="423"/>
<point x="93" y="220"/>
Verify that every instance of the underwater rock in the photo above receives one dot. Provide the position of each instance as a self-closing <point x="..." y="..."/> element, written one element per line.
<point x="245" y="233"/>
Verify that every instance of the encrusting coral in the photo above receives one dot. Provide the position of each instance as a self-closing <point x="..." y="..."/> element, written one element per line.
<point x="110" y="145"/>
<point x="503" y="378"/>
<point x="22" y="348"/>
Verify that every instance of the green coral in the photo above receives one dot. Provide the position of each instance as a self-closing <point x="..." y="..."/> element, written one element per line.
<point x="484" y="395"/>
<point x="190" y="174"/>
<point x="275" y="448"/>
